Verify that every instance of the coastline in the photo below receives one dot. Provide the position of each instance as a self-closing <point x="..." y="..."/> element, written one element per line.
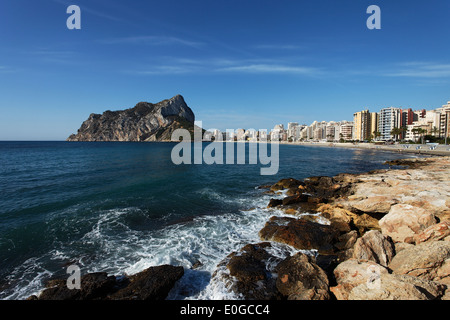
<point x="441" y="150"/>
<point x="386" y="236"/>
<point x="390" y="229"/>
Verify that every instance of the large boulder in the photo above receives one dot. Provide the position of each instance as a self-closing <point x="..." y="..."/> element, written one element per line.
<point x="358" y="280"/>
<point x="435" y="232"/>
<point x="248" y="272"/>
<point x="397" y="287"/>
<point x="300" y="278"/>
<point x="300" y="234"/>
<point x="351" y="273"/>
<point x="404" y="221"/>
<point x="288" y="183"/>
<point x="375" y="204"/>
<point x="427" y="260"/>
<point x="374" y="246"/>
<point x="345" y="220"/>
<point x="93" y="286"/>
<point x="153" y="283"/>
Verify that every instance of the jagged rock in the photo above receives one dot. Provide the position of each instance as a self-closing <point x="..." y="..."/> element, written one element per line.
<point x="375" y="204"/>
<point x="286" y="184"/>
<point x="427" y="260"/>
<point x="345" y="220"/>
<point x="347" y="240"/>
<point x="300" y="234"/>
<point x="300" y="278"/>
<point x="144" y="122"/>
<point x="433" y="233"/>
<point x="274" y="203"/>
<point x="249" y="272"/>
<point x="93" y="286"/>
<point x="397" y="287"/>
<point x="295" y="199"/>
<point x="404" y="221"/>
<point x="368" y="280"/>
<point x="374" y="246"/>
<point x="351" y="273"/>
<point x="153" y="283"/>
<point x="325" y="188"/>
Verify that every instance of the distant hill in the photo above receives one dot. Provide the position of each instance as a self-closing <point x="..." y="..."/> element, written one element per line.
<point x="144" y="122"/>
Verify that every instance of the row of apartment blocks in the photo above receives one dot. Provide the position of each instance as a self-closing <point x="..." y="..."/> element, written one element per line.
<point x="401" y="124"/>
<point x="368" y="125"/>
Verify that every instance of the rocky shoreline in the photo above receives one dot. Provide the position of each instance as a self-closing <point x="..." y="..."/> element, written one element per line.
<point x="380" y="235"/>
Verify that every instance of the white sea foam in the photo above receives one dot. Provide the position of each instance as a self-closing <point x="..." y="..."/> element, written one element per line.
<point x="205" y="240"/>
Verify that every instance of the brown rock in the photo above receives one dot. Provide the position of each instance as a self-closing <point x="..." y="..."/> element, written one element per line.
<point x="300" y="234"/>
<point x="374" y="246"/>
<point x="153" y="283"/>
<point x="249" y="275"/>
<point x="433" y="233"/>
<point x="286" y="184"/>
<point x="427" y="260"/>
<point x="397" y="287"/>
<point x="364" y="222"/>
<point x="404" y="221"/>
<point x="93" y="286"/>
<point x="300" y="278"/>
<point x="295" y="199"/>
<point x="375" y="204"/>
<point x="351" y="273"/>
<point x="369" y="281"/>
<point x="340" y="218"/>
<point x="274" y="203"/>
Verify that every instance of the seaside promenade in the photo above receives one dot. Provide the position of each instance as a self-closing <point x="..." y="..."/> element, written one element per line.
<point x="423" y="149"/>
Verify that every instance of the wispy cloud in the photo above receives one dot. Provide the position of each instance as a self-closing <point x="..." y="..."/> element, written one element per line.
<point x="6" y="69"/>
<point x="421" y="70"/>
<point x="278" y="47"/>
<point x="153" y="41"/>
<point x="272" y="68"/>
<point x="54" y="56"/>
<point x="164" y="69"/>
<point x="217" y="65"/>
<point x="98" y="13"/>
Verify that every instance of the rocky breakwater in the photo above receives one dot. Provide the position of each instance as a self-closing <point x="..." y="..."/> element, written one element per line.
<point x="381" y="235"/>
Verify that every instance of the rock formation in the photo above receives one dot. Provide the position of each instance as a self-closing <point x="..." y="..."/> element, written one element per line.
<point x="144" y="122"/>
<point x="153" y="283"/>
<point x="381" y="235"/>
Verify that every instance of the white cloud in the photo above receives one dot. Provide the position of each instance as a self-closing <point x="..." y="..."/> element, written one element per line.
<point x="153" y="40"/>
<point x="421" y="70"/>
<point x="271" y="68"/>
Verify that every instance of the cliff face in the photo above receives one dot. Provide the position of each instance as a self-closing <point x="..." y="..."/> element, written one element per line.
<point x="144" y="122"/>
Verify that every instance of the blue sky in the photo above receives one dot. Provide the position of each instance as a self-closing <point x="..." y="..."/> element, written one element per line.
<point x="246" y="63"/>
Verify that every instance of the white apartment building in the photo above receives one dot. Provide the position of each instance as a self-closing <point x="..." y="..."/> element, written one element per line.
<point x="388" y="119"/>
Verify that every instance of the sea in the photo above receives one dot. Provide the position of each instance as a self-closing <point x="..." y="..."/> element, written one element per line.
<point x="121" y="207"/>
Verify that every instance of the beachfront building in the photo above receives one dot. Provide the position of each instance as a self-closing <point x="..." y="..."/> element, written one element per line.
<point x="444" y="120"/>
<point x="373" y="124"/>
<point x="362" y="125"/>
<point x="278" y="133"/>
<point x="431" y="122"/>
<point x="291" y="131"/>
<point x="389" y="118"/>
<point x="346" y="130"/>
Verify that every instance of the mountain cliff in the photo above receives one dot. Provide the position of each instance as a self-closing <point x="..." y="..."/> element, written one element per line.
<point x="145" y="122"/>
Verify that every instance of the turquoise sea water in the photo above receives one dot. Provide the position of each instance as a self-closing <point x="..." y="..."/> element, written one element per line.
<point x="122" y="207"/>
